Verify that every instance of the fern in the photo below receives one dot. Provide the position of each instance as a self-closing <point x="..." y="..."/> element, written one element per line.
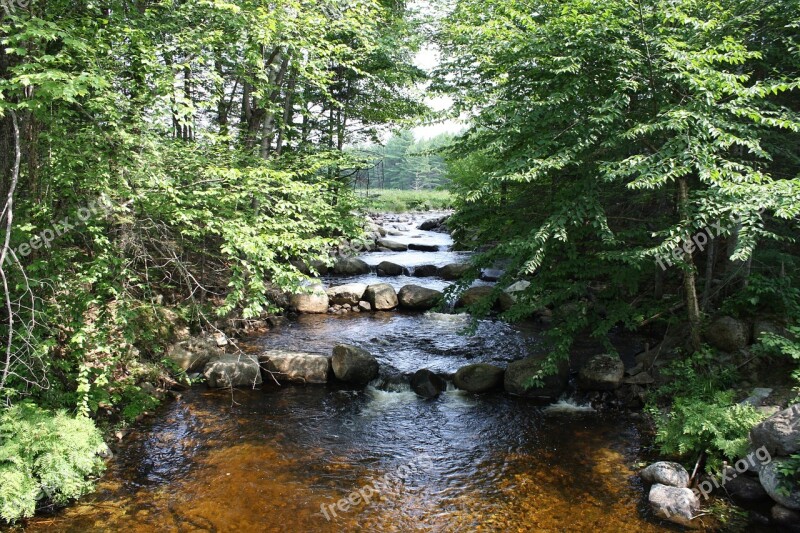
<point x="45" y="455"/>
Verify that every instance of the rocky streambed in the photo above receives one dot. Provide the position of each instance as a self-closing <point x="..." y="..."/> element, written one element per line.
<point x="375" y="408"/>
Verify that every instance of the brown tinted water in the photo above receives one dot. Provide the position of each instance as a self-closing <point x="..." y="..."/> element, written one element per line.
<point x="272" y="459"/>
<point x="279" y="459"/>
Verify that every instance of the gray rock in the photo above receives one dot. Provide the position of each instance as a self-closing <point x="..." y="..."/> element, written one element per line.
<point x="347" y="294"/>
<point x="454" y="271"/>
<point x="491" y="274"/>
<point x="364" y="307"/>
<point x="433" y="224"/>
<point x="602" y="373"/>
<point x="519" y="286"/>
<point x="426" y="271"/>
<point x="299" y="367"/>
<point x="193" y="355"/>
<point x="674" y="504"/>
<point x="519" y="376"/>
<point x="642" y="378"/>
<point x="666" y="473"/>
<point x="354" y="365"/>
<point x="417" y="247"/>
<point x="233" y="371"/>
<point x="427" y="384"/>
<point x="381" y="297"/>
<point x="785" y="518"/>
<point x="744" y="489"/>
<point x="351" y="266"/>
<point x="392" y="245"/>
<point x="479" y="378"/>
<point x="416" y="298"/>
<point x="757" y="397"/>
<point x="501" y="302"/>
<point x="315" y="302"/>
<point x="728" y="334"/>
<point x="389" y="269"/>
<point x="779" y="434"/>
<point x="770" y="480"/>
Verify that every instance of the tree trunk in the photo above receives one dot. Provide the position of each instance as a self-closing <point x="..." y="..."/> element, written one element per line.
<point x="690" y="276"/>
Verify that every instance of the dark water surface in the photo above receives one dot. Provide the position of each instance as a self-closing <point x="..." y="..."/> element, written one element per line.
<point x="279" y="459"/>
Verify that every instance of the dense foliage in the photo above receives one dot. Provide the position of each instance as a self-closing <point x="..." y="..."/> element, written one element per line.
<point x="632" y="157"/>
<point x="169" y="163"/>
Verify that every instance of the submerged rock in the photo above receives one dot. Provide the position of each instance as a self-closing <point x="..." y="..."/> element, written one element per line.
<point x="418" y="247"/>
<point x="416" y="298"/>
<point x="678" y="505"/>
<point x="666" y="473"/>
<point x="381" y="297"/>
<point x="479" y="378"/>
<point x="233" y="371"/>
<point x="520" y="374"/>
<point x="602" y="373"/>
<point x="392" y="245"/>
<point x="298" y="367"/>
<point x="427" y="384"/>
<point x="354" y="365"/>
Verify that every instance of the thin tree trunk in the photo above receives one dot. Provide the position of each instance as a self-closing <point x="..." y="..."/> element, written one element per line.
<point x="689" y="279"/>
<point x="710" y="261"/>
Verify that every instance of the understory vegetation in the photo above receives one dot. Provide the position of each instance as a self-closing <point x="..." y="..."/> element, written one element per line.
<point x="402" y="201"/>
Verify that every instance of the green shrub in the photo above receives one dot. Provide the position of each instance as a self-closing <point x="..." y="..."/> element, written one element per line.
<point x="717" y="426"/>
<point x="45" y="455"/>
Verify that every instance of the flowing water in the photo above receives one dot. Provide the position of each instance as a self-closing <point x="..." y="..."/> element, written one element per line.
<point x="284" y="458"/>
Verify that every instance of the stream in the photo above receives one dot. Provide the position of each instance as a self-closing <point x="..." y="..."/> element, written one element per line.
<point x="280" y="458"/>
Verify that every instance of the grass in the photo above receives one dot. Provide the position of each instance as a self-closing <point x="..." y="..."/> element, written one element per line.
<point x="398" y="201"/>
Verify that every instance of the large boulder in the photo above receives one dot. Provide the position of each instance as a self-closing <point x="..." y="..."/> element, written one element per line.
<point x="427" y="384"/>
<point x="354" y="365"/>
<point x="416" y="298"/>
<point x="674" y="504"/>
<point x="666" y="473"/>
<point x="744" y="489"/>
<point x="520" y="374"/>
<point x="314" y="302"/>
<point x="479" y="378"/>
<point x="298" y="367"/>
<point x="779" y="434"/>
<point x="785" y="518"/>
<point x="770" y="479"/>
<point x="454" y="271"/>
<point x="389" y="269"/>
<point x="602" y="373"/>
<point x="728" y="334"/>
<point x="351" y="266"/>
<point x="233" y="371"/>
<point x="382" y="297"/>
<point x="392" y="245"/>
<point x="347" y="294"/>
<point x="194" y="354"/>
<point x="433" y="224"/>
<point x="426" y="271"/>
